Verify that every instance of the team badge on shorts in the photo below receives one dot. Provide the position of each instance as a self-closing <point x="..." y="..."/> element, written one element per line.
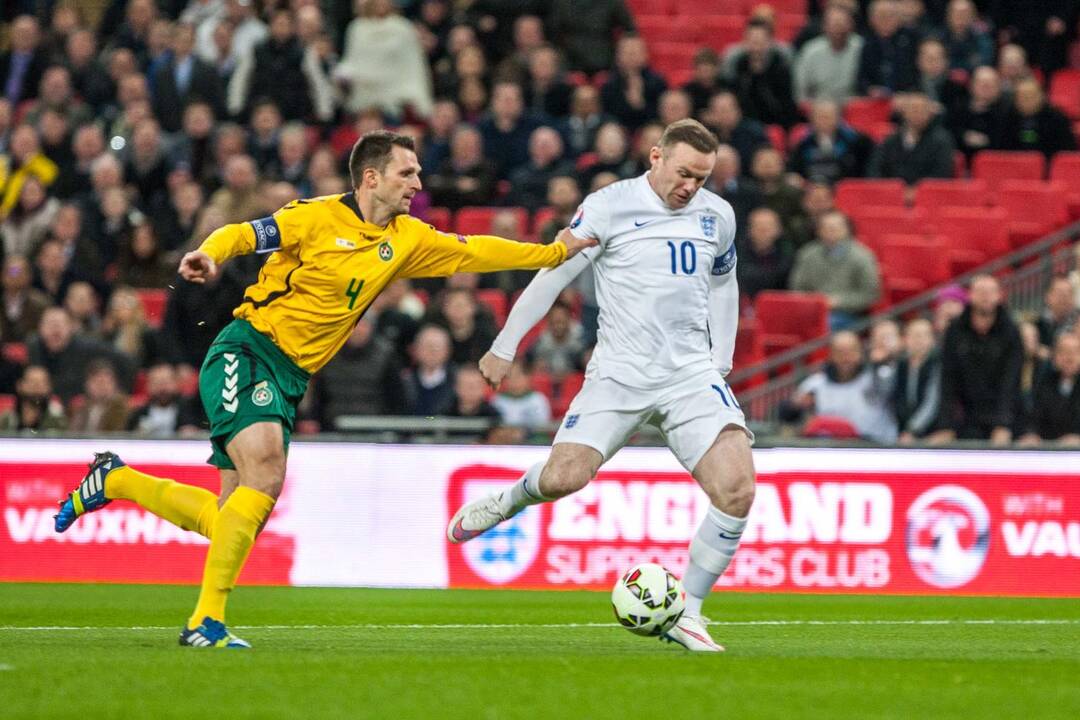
<point x="385" y="252"/>
<point x="262" y="395"/>
<point x="708" y="224"/>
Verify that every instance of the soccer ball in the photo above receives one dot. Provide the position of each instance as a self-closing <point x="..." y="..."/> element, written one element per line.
<point x="648" y="600"/>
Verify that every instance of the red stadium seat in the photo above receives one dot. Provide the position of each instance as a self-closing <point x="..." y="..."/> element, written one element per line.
<point x="863" y="113"/>
<point x="653" y="27"/>
<point x="568" y="390"/>
<point x="719" y="31"/>
<point x="829" y="426"/>
<point x="153" y="302"/>
<point x="541" y="383"/>
<point x="879" y="132"/>
<point x="853" y="194"/>
<point x="777" y="138"/>
<point x="913" y="264"/>
<point x="790" y="318"/>
<point x="1065" y="92"/>
<point x="972" y="235"/>
<point x="651" y="7"/>
<point x="996" y="167"/>
<point x="670" y="57"/>
<point x="541" y="218"/>
<point x="441" y="218"/>
<point x="781" y="7"/>
<point x="495" y="299"/>
<point x="748" y="352"/>
<point x="7" y="402"/>
<point x="1034" y="208"/>
<point x="477" y="220"/>
<point x="932" y="194"/>
<point x="788" y="26"/>
<point x="15" y="352"/>
<point x="873" y="222"/>
<point x="1065" y="169"/>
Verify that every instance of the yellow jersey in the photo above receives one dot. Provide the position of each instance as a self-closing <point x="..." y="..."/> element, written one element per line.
<point x="328" y="264"/>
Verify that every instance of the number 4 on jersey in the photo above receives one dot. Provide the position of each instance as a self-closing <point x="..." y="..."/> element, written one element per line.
<point x="353" y="291"/>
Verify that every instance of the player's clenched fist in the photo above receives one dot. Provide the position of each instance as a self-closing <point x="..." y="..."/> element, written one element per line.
<point x="198" y="267"/>
<point x="574" y="244"/>
<point x="494" y="369"/>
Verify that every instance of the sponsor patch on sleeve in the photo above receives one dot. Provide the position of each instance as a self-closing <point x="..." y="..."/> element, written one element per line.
<point x="267" y="235"/>
<point x="723" y="264"/>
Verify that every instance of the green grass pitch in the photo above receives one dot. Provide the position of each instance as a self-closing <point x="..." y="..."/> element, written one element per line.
<point x="489" y="654"/>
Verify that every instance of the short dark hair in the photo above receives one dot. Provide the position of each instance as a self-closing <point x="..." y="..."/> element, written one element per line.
<point x="373" y="151"/>
<point x="692" y="133"/>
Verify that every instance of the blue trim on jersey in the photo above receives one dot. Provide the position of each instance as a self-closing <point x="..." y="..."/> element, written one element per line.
<point x="267" y="235"/>
<point x="723" y="264"/>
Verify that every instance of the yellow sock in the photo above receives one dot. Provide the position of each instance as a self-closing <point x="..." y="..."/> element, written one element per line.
<point x="237" y="524"/>
<point x="186" y="506"/>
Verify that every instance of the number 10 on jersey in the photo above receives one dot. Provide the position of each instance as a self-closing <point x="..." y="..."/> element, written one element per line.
<point x="684" y="256"/>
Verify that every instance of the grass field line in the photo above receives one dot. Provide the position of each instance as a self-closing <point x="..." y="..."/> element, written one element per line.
<point x="569" y="626"/>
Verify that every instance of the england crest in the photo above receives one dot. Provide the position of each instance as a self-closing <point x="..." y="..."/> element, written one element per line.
<point x="708" y="224"/>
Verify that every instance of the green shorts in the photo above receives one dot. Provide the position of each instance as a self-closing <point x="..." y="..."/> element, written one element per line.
<point x="247" y="379"/>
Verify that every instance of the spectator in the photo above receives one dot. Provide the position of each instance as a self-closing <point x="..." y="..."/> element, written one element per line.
<point x="632" y="91"/>
<point x="470" y="396"/>
<point x="827" y="67"/>
<point x="917" y="395"/>
<point x="887" y="63"/>
<point x="184" y="78"/>
<point x="935" y="79"/>
<point x="648" y="137"/>
<point x="980" y="370"/>
<point x="54" y="274"/>
<point x="1055" y="406"/>
<point x="777" y="192"/>
<point x="579" y="128"/>
<point x="884" y="345"/>
<point x="761" y="78"/>
<point x="1012" y="68"/>
<point x="817" y="199"/>
<point x="528" y="37"/>
<point x="239" y="200"/>
<point x="1042" y="28"/>
<point x="290" y="162"/>
<point x="395" y="312"/>
<point x="724" y="117"/>
<point x="968" y="43"/>
<point x="1059" y="314"/>
<point x="83" y="307"/>
<point x="57" y="94"/>
<point x="979" y="123"/>
<point x="561" y="346"/>
<point x="528" y="184"/>
<point x="563" y="197"/>
<point x="470" y="333"/>
<point x="520" y="405"/>
<point x="850" y="389"/>
<point x="548" y="93"/>
<point x="706" y="79"/>
<point x="445" y="117"/>
<point x="87" y="145"/>
<point x="28" y="223"/>
<point x="920" y="149"/>
<point x="175" y="223"/>
<point x="837" y="265"/>
<point x="23" y="305"/>
<point x="383" y="64"/>
<point x="1034" y="124"/>
<point x="507" y="129"/>
<point x="832" y="150"/>
<point x="429" y="386"/>
<point x="228" y="37"/>
<point x="34" y="409"/>
<point x="949" y="304"/>
<point x="66" y="355"/>
<point x="164" y="412"/>
<point x="1034" y="355"/>
<point x="145" y="167"/>
<point x="88" y="73"/>
<point x="282" y="69"/>
<point x="586" y="31"/>
<point x="727" y="182"/>
<point x="612" y="154"/>
<point x="103" y="408"/>
<point x="23" y="160"/>
<point x="124" y="327"/>
<point x="913" y="16"/>
<point x="466" y="177"/>
<point x="22" y="66"/>
<point x="674" y="105"/>
<point x="364" y="378"/>
<point x="765" y="263"/>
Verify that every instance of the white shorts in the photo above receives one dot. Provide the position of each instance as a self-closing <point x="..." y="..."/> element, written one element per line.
<point x="690" y="414"/>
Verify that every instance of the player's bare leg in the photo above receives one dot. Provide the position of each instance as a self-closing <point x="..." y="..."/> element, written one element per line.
<point x="726" y="474"/>
<point x="258" y="451"/>
<point x="569" y="467"/>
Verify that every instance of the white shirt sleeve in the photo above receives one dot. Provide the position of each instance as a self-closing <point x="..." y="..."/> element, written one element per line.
<point x="724" y="306"/>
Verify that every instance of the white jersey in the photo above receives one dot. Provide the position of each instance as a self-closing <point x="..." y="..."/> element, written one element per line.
<point x="654" y="272"/>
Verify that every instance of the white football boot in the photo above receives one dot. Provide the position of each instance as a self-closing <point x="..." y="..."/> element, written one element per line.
<point x="690" y="632"/>
<point x="476" y="518"/>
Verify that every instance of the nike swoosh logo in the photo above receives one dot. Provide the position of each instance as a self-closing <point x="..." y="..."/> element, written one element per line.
<point x="730" y="537"/>
<point x="642" y="224"/>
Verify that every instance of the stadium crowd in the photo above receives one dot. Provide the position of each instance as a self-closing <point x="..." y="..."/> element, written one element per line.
<point x="126" y="138"/>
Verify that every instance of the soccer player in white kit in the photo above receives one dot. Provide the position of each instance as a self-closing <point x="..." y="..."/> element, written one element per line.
<point x="669" y="308"/>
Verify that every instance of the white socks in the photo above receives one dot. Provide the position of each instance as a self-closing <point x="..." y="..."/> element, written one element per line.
<point x="711" y="551"/>
<point x="523" y="493"/>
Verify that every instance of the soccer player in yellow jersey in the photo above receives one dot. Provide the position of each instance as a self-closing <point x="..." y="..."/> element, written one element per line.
<point x="331" y="256"/>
